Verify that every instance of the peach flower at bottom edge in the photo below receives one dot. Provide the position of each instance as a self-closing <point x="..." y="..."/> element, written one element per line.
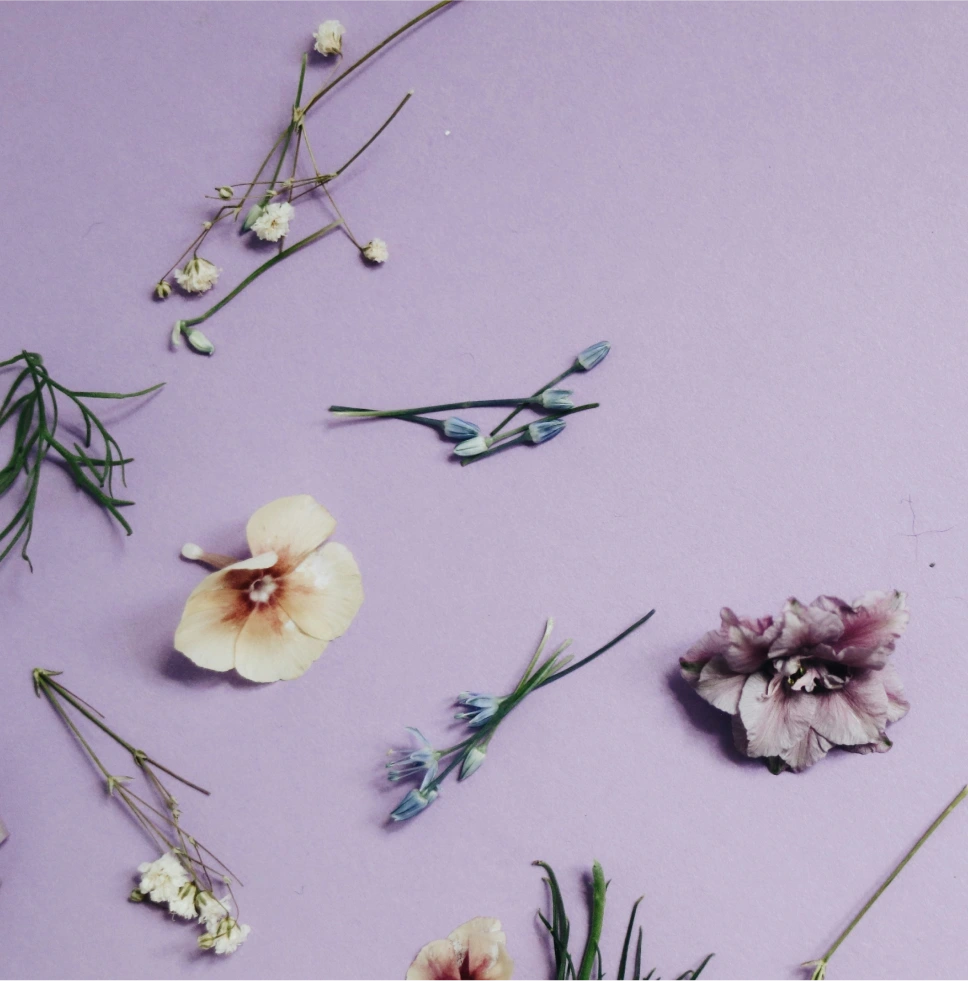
<point x="272" y="615"/>
<point x="474" y="950"/>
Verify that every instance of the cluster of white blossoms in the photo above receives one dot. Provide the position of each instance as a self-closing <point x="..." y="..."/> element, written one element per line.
<point x="376" y="251"/>
<point x="166" y="880"/>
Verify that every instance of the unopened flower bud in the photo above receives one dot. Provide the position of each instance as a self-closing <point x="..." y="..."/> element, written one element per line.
<point x="176" y="333"/>
<point x="472" y="761"/>
<point x="556" y="398"/>
<point x="163" y="289"/>
<point x="473" y="446"/>
<point x="255" y="212"/>
<point x="136" y="896"/>
<point x="197" y="341"/>
<point x="456" y="428"/>
<point x="591" y="356"/>
<point x="206" y="225"/>
<point x="545" y="429"/>
<point x="226" y="193"/>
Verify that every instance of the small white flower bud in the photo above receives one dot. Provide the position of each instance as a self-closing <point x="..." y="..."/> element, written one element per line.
<point x="197" y="341"/>
<point x="163" y="289"/>
<point x="226" y="193"/>
<point x="329" y="37"/>
<point x="176" y="333"/>
<point x="376" y="251"/>
<point x="206" y="225"/>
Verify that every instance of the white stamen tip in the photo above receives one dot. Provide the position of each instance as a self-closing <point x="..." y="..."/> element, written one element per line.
<point x="192" y="552"/>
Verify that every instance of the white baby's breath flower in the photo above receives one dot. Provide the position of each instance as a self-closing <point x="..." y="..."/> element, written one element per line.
<point x="329" y="37"/>
<point x="376" y="251"/>
<point x="198" y="276"/>
<point x="161" y="879"/>
<point x="183" y="904"/>
<point x="229" y="936"/>
<point x="212" y="911"/>
<point x="273" y="223"/>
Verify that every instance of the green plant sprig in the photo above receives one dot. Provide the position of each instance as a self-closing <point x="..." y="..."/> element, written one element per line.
<point x="819" y="967"/>
<point x="590" y="965"/>
<point x="483" y="715"/>
<point x="31" y="404"/>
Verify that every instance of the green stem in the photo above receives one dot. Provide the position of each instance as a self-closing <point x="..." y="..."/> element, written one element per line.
<point x="596" y="917"/>
<point x="351" y="412"/>
<point x="392" y="116"/>
<point x="822" y="964"/>
<point x="301" y="244"/>
<point x="356" y="64"/>
<point x="551" y="384"/>
<point x="291" y="127"/>
<point x="599" y="652"/>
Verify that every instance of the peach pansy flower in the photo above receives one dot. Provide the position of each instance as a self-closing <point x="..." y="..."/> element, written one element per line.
<point x="272" y="615"/>
<point x="474" y="950"/>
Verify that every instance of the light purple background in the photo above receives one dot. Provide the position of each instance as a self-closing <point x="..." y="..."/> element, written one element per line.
<point x="764" y="208"/>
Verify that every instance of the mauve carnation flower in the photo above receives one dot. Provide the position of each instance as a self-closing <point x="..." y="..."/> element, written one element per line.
<point x="814" y="679"/>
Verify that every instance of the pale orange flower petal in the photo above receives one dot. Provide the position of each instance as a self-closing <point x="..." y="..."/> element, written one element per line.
<point x="324" y="592"/>
<point x="290" y="526"/>
<point x="209" y="626"/>
<point x="436" y="961"/>
<point x="271" y="647"/>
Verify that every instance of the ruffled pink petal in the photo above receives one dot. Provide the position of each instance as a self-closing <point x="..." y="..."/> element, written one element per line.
<point x="861" y="657"/>
<point x="324" y="592"/>
<point x="694" y="660"/>
<point x="774" y="722"/>
<point x="875" y="620"/>
<point x="749" y="641"/>
<point x="806" y="626"/>
<point x="855" y="714"/>
<point x="720" y="686"/>
<point x="897" y="704"/>
<point x="291" y="526"/>
<point x="437" y="961"/>
<point x="271" y="647"/>
<point x="809" y="750"/>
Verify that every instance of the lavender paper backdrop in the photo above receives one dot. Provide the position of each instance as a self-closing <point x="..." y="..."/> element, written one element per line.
<point x="764" y="207"/>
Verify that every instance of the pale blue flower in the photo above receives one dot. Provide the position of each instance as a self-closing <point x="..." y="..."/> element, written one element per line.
<point x="457" y="428"/>
<point x="592" y="355"/>
<point x="414" y="802"/>
<point x="423" y="759"/>
<point x="482" y="708"/>
<point x="545" y="429"/>
<point x="556" y="398"/>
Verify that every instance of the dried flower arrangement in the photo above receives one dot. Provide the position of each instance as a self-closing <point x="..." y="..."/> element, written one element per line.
<point x="814" y="679"/>
<point x="482" y="715"/>
<point x="267" y="203"/>
<point x="472" y="443"/>
<point x="186" y="876"/>
<point x="31" y="405"/>
<point x="270" y="616"/>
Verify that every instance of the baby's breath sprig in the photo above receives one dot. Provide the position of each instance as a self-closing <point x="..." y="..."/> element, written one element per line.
<point x="31" y="406"/>
<point x="482" y="714"/>
<point x="590" y="965"/>
<point x="818" y="968"/>
<point x="267" y="202"/>
<point x="472" y="443"/>
<point x="186" y="876"/>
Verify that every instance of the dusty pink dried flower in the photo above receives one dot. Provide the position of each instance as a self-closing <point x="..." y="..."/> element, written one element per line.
<point x="816" y="678"/>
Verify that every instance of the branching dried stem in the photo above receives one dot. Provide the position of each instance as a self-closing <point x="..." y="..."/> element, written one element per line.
<point x="162" y="824"/>
<point x="286" y="147"/>
<point x="31" y="405"/>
